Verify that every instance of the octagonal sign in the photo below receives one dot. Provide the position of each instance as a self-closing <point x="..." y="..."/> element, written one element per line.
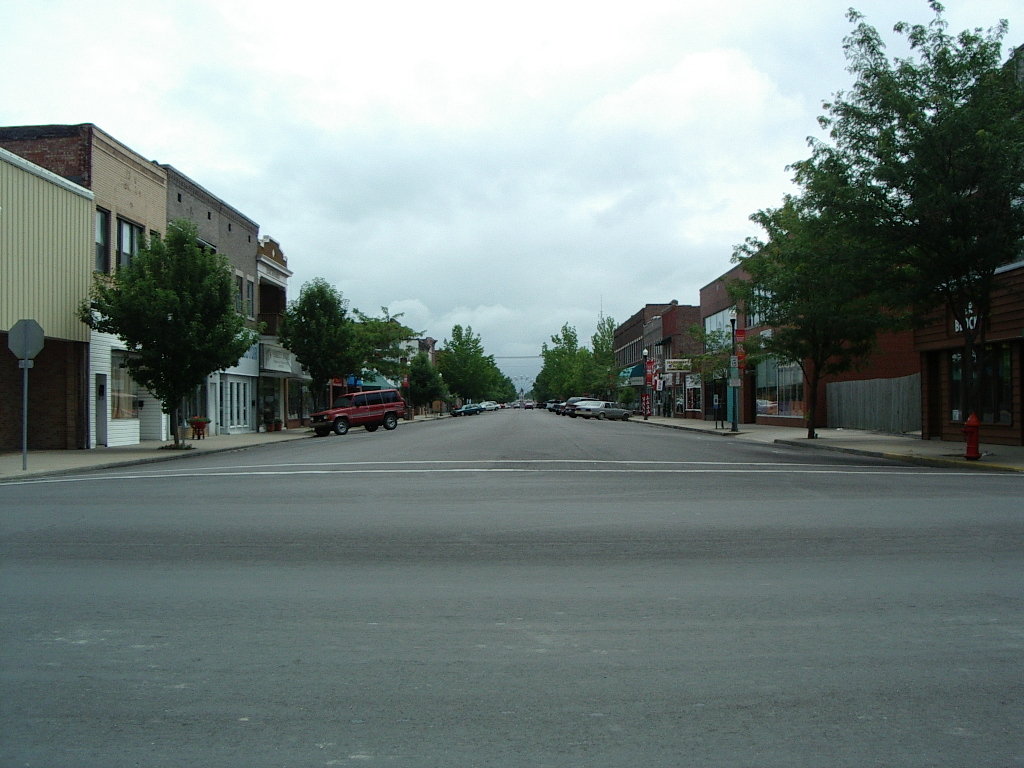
<point x="25" y="339"/>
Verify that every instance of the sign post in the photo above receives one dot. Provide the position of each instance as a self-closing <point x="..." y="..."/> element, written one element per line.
<point x="25" y="340"/>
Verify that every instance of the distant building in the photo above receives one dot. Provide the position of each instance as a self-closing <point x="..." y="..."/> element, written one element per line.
<point x="284" y="391"/>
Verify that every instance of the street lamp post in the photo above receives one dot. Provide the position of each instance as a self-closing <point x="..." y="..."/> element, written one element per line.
<point x="645" y="397"/>
<point x="733" y="374"/>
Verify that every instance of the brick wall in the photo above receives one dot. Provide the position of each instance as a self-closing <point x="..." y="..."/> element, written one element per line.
<point x="56" y="389"/>
<point x="63" y="149"/>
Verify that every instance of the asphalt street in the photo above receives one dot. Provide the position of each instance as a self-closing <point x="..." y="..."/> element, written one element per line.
<point x="513" y="589"/>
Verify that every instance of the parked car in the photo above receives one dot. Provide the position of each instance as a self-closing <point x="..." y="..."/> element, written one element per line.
<point x="490" y="405"/>
<point x="569" y="406"/>
<point x="469" y="409"/>
<point x="369" y="410"/>
<point x="602" y="409"/>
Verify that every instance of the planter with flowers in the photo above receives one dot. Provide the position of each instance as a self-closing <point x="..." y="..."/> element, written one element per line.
<point x="198" y="424"/>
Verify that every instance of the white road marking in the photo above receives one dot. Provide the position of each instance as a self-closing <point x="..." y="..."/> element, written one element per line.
<point x="553" y="466"/>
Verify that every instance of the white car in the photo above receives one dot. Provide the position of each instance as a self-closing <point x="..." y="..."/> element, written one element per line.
<point x="490" y="405"/>
<point x="601" y="409"/>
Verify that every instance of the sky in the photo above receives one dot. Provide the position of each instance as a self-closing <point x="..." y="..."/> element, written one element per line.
<point x="511" y="167"/>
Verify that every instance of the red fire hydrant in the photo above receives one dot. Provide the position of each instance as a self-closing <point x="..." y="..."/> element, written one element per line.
<point x="971" y="428"/>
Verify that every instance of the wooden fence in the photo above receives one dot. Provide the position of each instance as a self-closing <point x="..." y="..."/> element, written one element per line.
<point x="883" y="405"/>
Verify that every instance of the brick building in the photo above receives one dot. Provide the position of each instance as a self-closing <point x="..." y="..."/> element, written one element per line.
<point x="883" y="393"/>
<point x="940" y="344"/>
<point x="229" y="397"/>
<point x="129" y="205"/>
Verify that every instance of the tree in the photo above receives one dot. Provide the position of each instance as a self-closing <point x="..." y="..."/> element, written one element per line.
<point x="468" y="372"/>
<point x="319" y="332"/>
<point x="381" y="339"/>
<point x="813" y="284"/>
<point x="568" y="369"/>
<point x="606" y="373"/>
<point x="173" y="307"/>
<point x="504" y="389"/>
<point x="425" y="383"/>
<point x="931" y="151"/>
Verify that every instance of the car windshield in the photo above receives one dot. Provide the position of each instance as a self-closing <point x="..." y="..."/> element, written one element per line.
<point x="342" y="402"/>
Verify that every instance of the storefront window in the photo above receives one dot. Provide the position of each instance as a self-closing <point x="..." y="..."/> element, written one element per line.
<point x="299" y="400"/>
<point x="995" y="396"/>
<point x="780" y="389"/>
<point x="694" y="389"/>
<point x="123" y="402"/>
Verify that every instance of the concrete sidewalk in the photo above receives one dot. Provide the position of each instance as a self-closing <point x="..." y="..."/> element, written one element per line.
<point x="896" y="447"/>
<point x="907" y="448"/>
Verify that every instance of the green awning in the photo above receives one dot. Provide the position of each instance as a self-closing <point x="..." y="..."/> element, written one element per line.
<point x="627" y="376"/>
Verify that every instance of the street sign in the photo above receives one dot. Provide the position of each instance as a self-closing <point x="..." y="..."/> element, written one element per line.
<point x="678" y="365"/>
<point x="25" y="339"/>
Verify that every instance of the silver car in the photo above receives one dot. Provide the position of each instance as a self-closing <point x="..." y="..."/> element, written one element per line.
<point x="601" y="409"/>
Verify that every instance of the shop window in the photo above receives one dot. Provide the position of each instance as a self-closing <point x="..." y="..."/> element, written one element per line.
<point x="995" y="396"/>
<point x="780" y="389"/>
<point x="123" y="399"/>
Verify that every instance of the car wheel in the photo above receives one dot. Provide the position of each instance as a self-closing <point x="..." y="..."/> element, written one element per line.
<point x="372" y="427"/>
<point x="340" y="426"/>
<point x="322" y="432"/>
<point x="600" y="417"/>
<point x="625" y="417"/>
<point x="390" y="421"/>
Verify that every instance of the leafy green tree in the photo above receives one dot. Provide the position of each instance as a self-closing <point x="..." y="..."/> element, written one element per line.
<point x="173" y="307"/>
<point x="382" y="341"/>
<point x="468" y="372"/>
<point x="320" y="333"/>
<point x="605" y="371"/>
<point x="568" y="368"/>
<point x="812" y="283"/>
<point x="504" y="389"/>
<point x="926" y="161"/>
<point x="425" y="383"/>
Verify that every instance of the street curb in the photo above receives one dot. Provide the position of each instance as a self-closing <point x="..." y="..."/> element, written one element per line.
<point x="170" y="455"/>
<point x="926" y="461"/>
<point x="162" y="457"/>
<point x="684" y="427"/>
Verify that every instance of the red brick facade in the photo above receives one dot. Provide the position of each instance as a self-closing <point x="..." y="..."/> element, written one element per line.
<point x="940" y="339"/>
<point x="57" y="392"/>
<point x="64" y="149"/>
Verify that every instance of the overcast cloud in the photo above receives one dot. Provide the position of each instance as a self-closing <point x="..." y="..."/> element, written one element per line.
<point x="512" y="167"/>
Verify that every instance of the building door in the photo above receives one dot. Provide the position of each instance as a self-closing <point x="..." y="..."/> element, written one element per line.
<point x="101" y="409"/>
<point x="934" y="391"/>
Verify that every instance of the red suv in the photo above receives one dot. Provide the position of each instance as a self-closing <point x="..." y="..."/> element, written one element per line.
<point x="380" y="407"/>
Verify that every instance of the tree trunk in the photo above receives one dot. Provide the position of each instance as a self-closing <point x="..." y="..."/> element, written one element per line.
<point x="175" y="428"/>
<point x="811" y="379"/>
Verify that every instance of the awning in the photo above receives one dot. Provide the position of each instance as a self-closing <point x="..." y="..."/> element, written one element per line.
<point x="632" y="377"/>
